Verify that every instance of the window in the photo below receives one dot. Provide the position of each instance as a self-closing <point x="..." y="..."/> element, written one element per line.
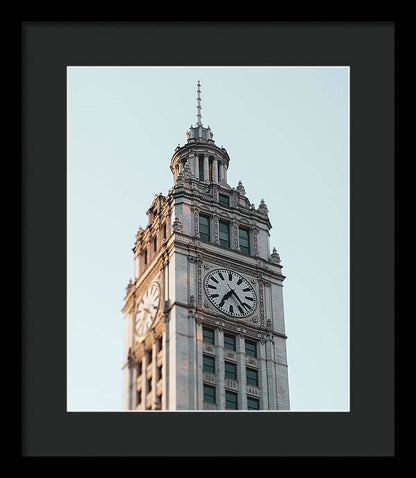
<point x="139" y="397"/>
<point x="208" y="335"/>
<point x="139" y="368"/>
<point x="244" y="239"/>
<point x="208" y="364"/>
<point x="230" y="370"/>
<point x="158" y="373"/>
<point x="154" y="244"/>
<point x="252" y="376"/>
<point x="204" y="228"/>
<point x="251" y="348"/>
<point x="149" y="385"/>
<point x="231" y="400"/>
<point x="253" y="404"/>
<point x="145" y="257"/>
<point x="229" y="342"/>
<point x="149" y="356"/>
<point x="159" y="343"/>
<point x="209" y="394"/>
<point x="211" y="168"/>
<point x="224" y="200"/>
<point x="201" y="167"/>
<point x="164" y="231"/>
<point x="224" y="234"/>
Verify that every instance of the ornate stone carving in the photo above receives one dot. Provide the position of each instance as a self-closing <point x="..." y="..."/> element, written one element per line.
<point x="196" y="222"/>
<point x="240" y="188"/>
<point x="177" y="225"/>
<point x="199" y="283"/>
<point x="274" y="257"/>
<point x="235" y="234"/>
<point x="216" y="233"/>
<point x="255" y="245"/>
<point x="261" y="301"/>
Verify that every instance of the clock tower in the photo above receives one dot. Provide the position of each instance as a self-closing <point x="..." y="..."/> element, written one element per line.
<point x="204" y="320"/>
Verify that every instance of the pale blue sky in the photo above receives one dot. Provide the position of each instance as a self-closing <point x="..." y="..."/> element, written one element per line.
<point x="286" y="131"/>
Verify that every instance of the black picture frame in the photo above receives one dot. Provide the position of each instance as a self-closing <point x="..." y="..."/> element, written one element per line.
<point x="47" y="428"/>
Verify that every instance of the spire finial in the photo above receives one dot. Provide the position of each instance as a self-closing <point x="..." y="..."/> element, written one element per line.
<point x="199" y="107"/>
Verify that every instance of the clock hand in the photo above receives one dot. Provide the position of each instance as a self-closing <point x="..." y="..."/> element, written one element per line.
<point x="226" y="296"/>
<point x="238" y="298"/>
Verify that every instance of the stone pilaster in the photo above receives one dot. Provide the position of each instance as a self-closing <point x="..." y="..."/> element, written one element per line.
<point x="220" y="368"/>
<point x="206" y="168"/>
<point x="215" y="168"/>
<point x="264" y="402"/>
<point x="241" y="373"/>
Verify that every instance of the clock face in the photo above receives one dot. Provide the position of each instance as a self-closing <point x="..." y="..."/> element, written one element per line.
<point x="230" y="293"/>
<point x="147" y="309"/>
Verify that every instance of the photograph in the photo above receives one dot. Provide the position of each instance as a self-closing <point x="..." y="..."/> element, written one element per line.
<point x="208" y="239"/>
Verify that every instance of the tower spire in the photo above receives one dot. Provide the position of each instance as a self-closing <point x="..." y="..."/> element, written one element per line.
<point x="199" y="107"/>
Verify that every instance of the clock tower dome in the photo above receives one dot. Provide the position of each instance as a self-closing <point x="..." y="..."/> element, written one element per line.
<point x="204" y="320"/>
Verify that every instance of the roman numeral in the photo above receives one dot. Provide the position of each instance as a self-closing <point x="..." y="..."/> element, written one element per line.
<point x="239" y="281"/>
<point x="240" y="309"/>
<point x="214" y="279"/>
<point x="222" y="277"/>
<point x="212" y="287"/>
<point x="249" y="298"/>
<point x="246" y="305"/>
<point x="231" y="310"/>
<point x="221" y="304"/>
<point x="230" y="277"/>
<point x="246" y="289"/>
<point x="214" y="295"/>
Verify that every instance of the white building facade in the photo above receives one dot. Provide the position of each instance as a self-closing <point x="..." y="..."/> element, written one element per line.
<point x="204" y="319"/>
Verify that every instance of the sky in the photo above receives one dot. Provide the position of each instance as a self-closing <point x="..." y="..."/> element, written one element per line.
<point x="286" y="131"/>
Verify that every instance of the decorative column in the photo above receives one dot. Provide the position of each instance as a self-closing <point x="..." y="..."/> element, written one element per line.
<point x="191" y="352"/>
<point x="255" y="232"/>
<point x="264" y="401"/>
<point x="195" y="210"/>
<point x="215" y="226"/>
<point x="215" y="167"/>
<point x="241" y="373"/>
<point x="220" y="368"/>
<point x="271" y="378"/>
<point x="154" y="371"/>
<point x="221" y="171"/>
<point x="144" y="377"/>
<point x="199" y="383"/>
<point x="206" y="168"/>
<point x="235" y="233"/>
<point x="131" y="384"/>
<point x="134" y="387"/>
<point x="225" y="173"/>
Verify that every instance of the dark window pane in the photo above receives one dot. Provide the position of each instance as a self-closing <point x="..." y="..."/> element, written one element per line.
<point x="224" y="200"/>
<point x="251" y="348"/>
<point x="252" y="376"/>
<point x="204" y="228"/>
<point x="209" y="394"/>
<point x="244" y="240"/>
<point x="208" y="335"/>
<point x="230" y="370"/>
<point x="231" y="400"/>
<point x="229" y="342"/>
<point x="253" y="404"/>
<point x="208" y="364"/>
<point x="224" y="234"/>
